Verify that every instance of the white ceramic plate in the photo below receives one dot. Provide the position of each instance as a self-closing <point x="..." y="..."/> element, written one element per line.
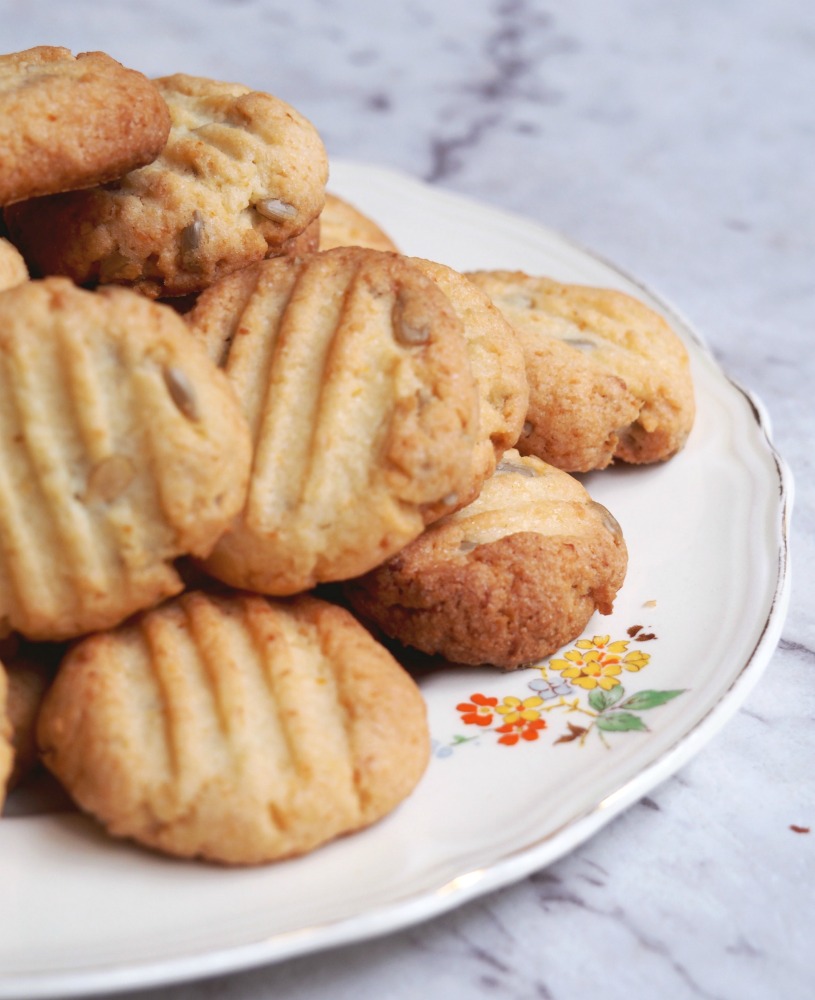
<point x="506" y="793"/>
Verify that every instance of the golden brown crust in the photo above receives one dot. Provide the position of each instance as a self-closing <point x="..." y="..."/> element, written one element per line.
<point x="28" y="679"/>
<point x="12" y="266"/>
<point x="505" y="581"/>
<point x="235" y="728"/>
<point x="70" y="122"/>
<point x="121" y="448"/>
<point x="497" y="362"/>
<point x="608" y="378"/>
<point x="241" y="175"/>
<point x="6" y="750"/>
<point x="353" y="373"/>
<point x="343" y="225"/>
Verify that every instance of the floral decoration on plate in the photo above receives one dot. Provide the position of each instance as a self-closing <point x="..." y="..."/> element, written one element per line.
<point x="586" y="683"/>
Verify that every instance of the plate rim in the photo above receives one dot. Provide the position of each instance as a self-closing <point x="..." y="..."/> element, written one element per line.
<point x="521" y="861"/>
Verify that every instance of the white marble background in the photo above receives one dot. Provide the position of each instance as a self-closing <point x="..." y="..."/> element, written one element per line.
<point x="677" y="139"/>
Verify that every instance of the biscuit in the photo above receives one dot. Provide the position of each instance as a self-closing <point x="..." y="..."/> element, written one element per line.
<point x="505" y="581"/>
<point x="6" y="750"/>
<point x="28" y="673"/>
<point x="71" y="122"/>
<point x="343" y="225"/>
<point x="353" y="373"/>
<point x="242" y="173"/>
<point x="608" y="378"/>
<point x="121" y="448"/>
<point x="235" y="728"/>
<point x="497" y="362"/>
<point x="12" y="266"/>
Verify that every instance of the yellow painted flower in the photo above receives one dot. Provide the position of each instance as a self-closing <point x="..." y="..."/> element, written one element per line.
<point x="513" y="709"/>
<point x="597" y="662"/>
<point x="636" y="660"/>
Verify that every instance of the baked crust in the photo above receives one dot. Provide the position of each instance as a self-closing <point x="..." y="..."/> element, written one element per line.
<point x="241" y="175"/>
<point x="608" y="378"/>
<point x="353" y="374"/>
<point x="505" y="581"/>
<point x="121" y="448"/>
<point x="235" y="728"/>
<point x="69" y="122"/>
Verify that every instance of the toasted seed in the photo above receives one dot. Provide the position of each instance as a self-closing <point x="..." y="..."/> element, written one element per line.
<point x="411" y="335"/>
<point x="275" y="209"/>
<point x="609" y="520"/>
<point x="581" y="343"/>
<point x="182" y="392"/>
<point x="192" y="234"/>
<point x="527" y="428"/>
<point x="521" y="470"/>
<point x="108" y="479"/>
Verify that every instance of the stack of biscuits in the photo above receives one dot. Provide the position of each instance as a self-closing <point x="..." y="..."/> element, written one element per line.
<point x="244" y="441"/>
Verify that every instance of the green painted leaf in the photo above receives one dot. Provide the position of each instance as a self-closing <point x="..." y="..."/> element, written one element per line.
<point x="649" y="699"/>
<point x="600" y="700"/>
<point x="621" y="722"/>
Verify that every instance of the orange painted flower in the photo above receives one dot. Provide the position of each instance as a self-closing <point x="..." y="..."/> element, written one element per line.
<point x="520" y="729"/>
<point x="478" y="711"/>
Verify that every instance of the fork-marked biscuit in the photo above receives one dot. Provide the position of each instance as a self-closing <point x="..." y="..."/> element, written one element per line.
<point x="121" y="448"/>
<point x="352" y="370"/>
<point x="235" y="728"/>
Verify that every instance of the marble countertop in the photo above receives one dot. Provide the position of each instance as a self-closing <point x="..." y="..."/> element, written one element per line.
<point x="678" y="141"/>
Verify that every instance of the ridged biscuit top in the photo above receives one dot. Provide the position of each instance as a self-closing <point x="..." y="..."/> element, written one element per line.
<point x="353" y="374"/>
<point x="121" y="448"/>
<point x="235" y="728"/>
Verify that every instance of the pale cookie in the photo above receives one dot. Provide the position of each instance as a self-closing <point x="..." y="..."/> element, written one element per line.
<point x="6" y="749"/>
<point x="29" y="672"/>
<point x="343" y="225"/>
<point x="241" y="175"/>
<point x="352" y="371"/>
<point x="71" y="122"/>
<point x="608" y="378"/>
<point x="235" y="728"/>
<point x="121" y="448"/>
<point x="12" y="266"/>
<point x="497" y="362"/>
<point x="505" y="581"/>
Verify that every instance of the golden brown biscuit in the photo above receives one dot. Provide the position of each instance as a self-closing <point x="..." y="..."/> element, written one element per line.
<point x="29" y="672"/>
<point x="6" y="751"/>
<point x="242" y="173"/>
<point x="121" y="448"/>
<point x="508" y="579"/>
<point x="12" y="266"/>
<point x="497" y="362"/>
<point x="343" y="225"/>
<point x="70" y="122"/>
<point x="235" y="728"/>
<point x="608" y="378"/>
<point x="353" y="374"/>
